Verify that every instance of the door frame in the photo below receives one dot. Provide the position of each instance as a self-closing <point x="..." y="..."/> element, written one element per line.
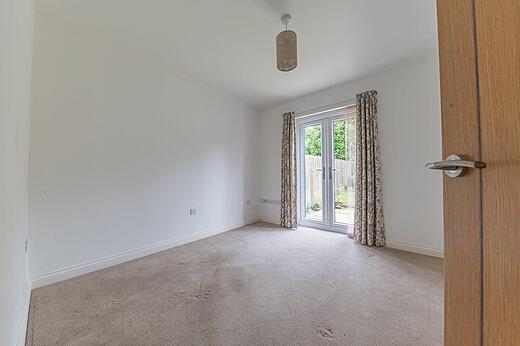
<point x="325" y="119"/>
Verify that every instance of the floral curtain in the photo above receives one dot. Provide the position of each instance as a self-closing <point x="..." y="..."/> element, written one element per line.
<point x="288" y="216"/>
<point x="369" y="228"/>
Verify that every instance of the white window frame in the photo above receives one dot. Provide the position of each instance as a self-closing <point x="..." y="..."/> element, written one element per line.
<point x="325" y="119"/>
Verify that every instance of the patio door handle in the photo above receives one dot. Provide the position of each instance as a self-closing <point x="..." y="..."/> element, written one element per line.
<point x="330" y="172"/>
<point x="322" y="170"/>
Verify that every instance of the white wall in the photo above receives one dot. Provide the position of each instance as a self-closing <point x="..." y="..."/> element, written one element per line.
<point x="16" y="22"/>
<point x="410" y="131"/>
<point x="121" y="148"/>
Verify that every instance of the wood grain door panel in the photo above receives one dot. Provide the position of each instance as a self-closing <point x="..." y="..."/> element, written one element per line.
<point x="460" y="135"/>
<point x="498" y="42"/>
<point x="479" y="48"/>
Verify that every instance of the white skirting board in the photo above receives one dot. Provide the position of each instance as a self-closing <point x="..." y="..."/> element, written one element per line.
<point x="399" y="245"/>
<point x="270" y="220"/>
<point x="411" y="247"/>
<point x="91" y="266"/>
<point x="22" y="328"/>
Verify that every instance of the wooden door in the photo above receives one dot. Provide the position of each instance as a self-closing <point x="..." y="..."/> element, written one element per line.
<point x="462" y="207"/>
<point x="498" y="51"/>
<point x="479" y="49"/>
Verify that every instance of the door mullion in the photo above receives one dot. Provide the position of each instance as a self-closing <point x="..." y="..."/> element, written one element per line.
<point x="324" y="166"/>
<point x="327" y="159"/>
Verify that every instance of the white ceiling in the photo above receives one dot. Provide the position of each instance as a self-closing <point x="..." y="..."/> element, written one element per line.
<point x="230" y="44"/>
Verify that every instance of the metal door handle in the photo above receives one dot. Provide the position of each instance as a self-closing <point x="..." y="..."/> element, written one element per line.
<point x="330" y="172"/>
<point x="454" y="165"/>
<point x="322" y="170"/>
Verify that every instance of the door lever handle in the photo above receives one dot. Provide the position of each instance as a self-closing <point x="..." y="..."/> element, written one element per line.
<point x="454" y="165"/>
<point x="330" y="172"/>
<point x="322" y="170"/>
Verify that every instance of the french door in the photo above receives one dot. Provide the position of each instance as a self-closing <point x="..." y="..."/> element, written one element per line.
<point x="326" y="160"/>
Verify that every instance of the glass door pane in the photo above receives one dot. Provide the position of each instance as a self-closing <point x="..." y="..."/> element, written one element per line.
<point x="327" y="170"/>
<point x="314" y="174"/>
<point x="343" y="166"/>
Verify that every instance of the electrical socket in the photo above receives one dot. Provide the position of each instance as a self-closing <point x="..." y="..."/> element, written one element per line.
<point x="268" y="201"/>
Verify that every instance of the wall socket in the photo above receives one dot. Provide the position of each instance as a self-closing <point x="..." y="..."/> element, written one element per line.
<point x="268" y="201"/>
<point x="193" y="211"/>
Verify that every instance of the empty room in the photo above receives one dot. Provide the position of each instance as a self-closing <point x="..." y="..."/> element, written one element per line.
<point x="259" y="172"/>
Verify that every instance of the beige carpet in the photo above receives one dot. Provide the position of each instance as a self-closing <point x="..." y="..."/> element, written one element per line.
<point x="256" y="285"/>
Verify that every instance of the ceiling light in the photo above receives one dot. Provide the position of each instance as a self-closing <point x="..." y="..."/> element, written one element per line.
<point x="286" y="53"/>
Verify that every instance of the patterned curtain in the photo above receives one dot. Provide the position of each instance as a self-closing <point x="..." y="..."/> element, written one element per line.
<point x="369" y="228"/>
<point x="288" y="218"/>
